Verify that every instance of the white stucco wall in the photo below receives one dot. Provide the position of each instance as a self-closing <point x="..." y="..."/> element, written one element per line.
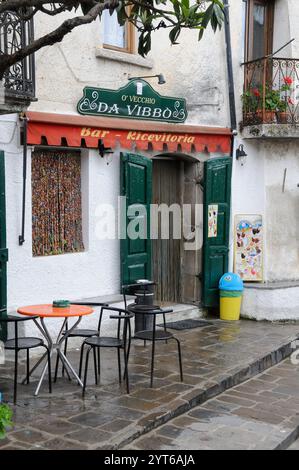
<point x="280" y="303"/>
<point x="257" y="186"/>
<point x="41" y="279"/>
<point x="195" y="71"/>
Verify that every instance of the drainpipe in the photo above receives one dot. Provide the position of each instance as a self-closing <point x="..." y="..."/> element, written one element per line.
<point x="25" y="121"/>
<point x="232" y="108"/>
<point x="230" y="73"/>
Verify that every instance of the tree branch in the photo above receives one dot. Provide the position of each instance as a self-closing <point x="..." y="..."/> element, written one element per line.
<point x="13" y="5"/>
<point x="146" y="15"/>
<point x="53" y="37"/>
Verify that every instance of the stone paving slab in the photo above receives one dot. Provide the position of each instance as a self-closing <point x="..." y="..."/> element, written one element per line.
<point x="241" y="418"/>
<point x="215" y="358"/>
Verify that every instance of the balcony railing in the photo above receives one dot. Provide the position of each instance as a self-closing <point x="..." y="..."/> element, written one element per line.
<point x="271" y="92"/>
<point x="19" y="80"/>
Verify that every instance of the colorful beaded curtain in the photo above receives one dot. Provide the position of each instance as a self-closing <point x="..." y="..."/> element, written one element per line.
<point x="56" y="203"/>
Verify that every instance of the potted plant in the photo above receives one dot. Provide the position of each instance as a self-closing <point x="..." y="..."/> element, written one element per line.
<point x="285" y="102"/>
<point x="5" y="419"/>
<point x="250" y="99"/>
<point x="272" y="101"/>
<point x="282" y="114"/>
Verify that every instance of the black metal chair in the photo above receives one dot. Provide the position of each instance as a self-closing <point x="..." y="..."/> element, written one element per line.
<point x="23" y="343"/>
<point x="78" y="333"/>
<point x="154" y="335"/>
<point x="121" y="341"/>
<point x="141" y="288"/>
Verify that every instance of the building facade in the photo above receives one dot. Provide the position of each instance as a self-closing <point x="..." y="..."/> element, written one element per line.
<point x="71" y="180"/>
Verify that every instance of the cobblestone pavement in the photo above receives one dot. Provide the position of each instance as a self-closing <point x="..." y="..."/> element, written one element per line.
<point x="215" y="358"/>
<point x="262" y="413"/>
<point x="294" y="446"/>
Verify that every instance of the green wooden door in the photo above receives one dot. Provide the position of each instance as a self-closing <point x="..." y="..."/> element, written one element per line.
<point x="217" y="192"/>
<point x="3" y="249"/>
<point x="136" y="186"/>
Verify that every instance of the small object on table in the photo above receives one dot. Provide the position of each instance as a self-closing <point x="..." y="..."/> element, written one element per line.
<point x="61" y="303"/>
<point x="48" y="311"/>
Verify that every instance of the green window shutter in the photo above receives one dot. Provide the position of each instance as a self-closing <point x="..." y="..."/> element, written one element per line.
<point x="216" y="249"/>
<point x="3" y="249"/>
<point x="136" y="186"/>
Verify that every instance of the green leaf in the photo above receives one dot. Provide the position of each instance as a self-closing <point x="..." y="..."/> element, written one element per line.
<point x="144" y="45"/>
<point x="174" y="34"/>
<point x="176" y="7"/>
<point x="122" y="16"/>
<point x="5" y="419"/>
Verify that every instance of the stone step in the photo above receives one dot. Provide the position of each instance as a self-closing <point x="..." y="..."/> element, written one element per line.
<point x="212" y="389"/>
<point x="260" y="414"/>
<point x="185" y="312"/>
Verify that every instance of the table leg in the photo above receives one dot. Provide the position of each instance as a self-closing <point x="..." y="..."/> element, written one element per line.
<point x="42" y="375"/>
<point x="43" y="329"/>
<point x="34" y="367"/>
<point x="60" y="340"/>
<point x="49" y="341"/>
<point x="52" y="346"/>
<point x="67" y="364"/>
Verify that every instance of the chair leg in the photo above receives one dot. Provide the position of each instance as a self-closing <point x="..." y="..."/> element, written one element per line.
<point x="126" y="373"/>
<point x="56" y="368"/>
<point x="81" y="359"/>
<point x="95" y="366"/>
<point x="65" y="352"/>
<point x="15" y="377"/>
<point x="86" y="370"/>
<point x="99" y="361"/>
<point x="164" y="322"/>
<point x="28" y="367"/>
<point x="119" y="365"/>
<point x="49" y="370"/>
<point x="180" y="358"/>
<point x="128" y="355"/>
<point x="152" y="364"/>
<point x="144" y="328"/>
<point x="153" y="349"/>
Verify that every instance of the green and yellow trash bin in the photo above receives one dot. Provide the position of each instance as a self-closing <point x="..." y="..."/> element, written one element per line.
<point x="231" y="293"/>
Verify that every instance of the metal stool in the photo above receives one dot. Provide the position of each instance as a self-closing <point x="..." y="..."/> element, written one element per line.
<point x="154" y="335"/>
<point x="23" y="343"/>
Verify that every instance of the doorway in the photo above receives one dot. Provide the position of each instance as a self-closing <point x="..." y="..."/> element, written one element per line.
<point x="187" y="276"/>
<point x="175" y="269"/>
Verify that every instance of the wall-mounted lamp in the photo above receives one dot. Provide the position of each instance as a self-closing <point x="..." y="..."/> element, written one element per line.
<point x="241" y="154"/>
<point x="160" y="76"/>
<point x="104" y="151"/>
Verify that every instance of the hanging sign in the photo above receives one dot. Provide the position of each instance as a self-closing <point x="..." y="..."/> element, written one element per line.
<point x="136" y="100"/>
<point x="248" y="259"/>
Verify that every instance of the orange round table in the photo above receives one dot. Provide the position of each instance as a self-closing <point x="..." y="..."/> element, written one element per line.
<point x="48" y="311"/>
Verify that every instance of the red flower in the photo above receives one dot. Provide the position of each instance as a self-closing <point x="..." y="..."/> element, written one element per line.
<point x="256" y="92"/>
<point x="290" y="101"/>
<point x="288" y="80"/>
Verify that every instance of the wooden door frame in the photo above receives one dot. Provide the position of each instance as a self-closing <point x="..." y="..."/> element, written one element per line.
<point x="183" y="159"/>
<point x="270" y="7"/>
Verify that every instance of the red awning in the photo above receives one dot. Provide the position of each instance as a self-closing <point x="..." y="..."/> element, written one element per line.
<point x="85" y="132"/>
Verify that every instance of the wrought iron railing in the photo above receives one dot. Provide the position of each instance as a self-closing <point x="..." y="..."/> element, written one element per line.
<point x="271" y="91"/>
<point x="15" y="33"/>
